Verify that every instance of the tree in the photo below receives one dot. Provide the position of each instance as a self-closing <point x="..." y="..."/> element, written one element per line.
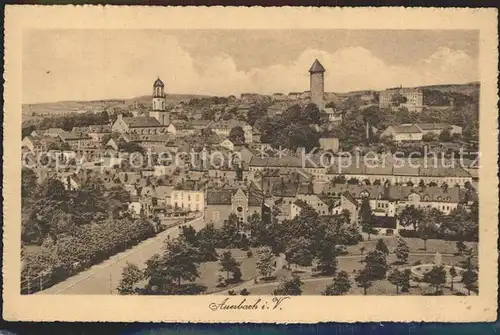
<point x="180" y="261"/>
<point x="423" y="231"/>
<point x="461" y="247"/>
<point x="429" y="137"/>
<point x="131" y="275"/>
<point x="402" y="251"/>
<point x="445" y="136"/>
<point x="230" y="228"/>
<point x="382" y="247"/>
<point x="207" y="239"/>
<point x="394" y="278"/>
<point x="341" y="284"/>
<point x="436" y="277"/>
<point x="244" y="292"/>
<point x="28" y="183"/>
<point x="265" y="261"/>
<point x="363" y="279"/>
<point x="453" y="274"/>
<point x="366" y="217"/>
<point x="237" y="135"/>
<point x="311" y="113"/>
<point x="376" y="264"/>
<point x="130" y="147"/>
<point x="292" y="286"/>
<point x="229" y="265"/>
<point x="327" y="260"/>
<point x="255" y="113"/>
<point x="411" y="216"/>
<point x="353" y="181"/>
<point x="469" y="276"/>
<point x="299" y="252"/>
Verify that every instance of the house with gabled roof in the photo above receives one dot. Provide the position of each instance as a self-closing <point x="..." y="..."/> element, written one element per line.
<point x="144" y="125"/>
<point x="242" y="201"/>
<point x="416" y="131"/>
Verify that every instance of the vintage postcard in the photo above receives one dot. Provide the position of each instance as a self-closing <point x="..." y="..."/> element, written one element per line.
<point x="223" y="164"/>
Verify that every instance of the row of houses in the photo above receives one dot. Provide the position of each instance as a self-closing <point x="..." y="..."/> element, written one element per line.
<point x="327" y="168"/>
<point x="417" y="131"/>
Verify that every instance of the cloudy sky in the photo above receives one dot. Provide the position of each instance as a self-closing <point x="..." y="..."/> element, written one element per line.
<point x="101" y="64"/>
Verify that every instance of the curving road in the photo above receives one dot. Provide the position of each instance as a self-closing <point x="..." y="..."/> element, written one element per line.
<point x="103" y="278"/>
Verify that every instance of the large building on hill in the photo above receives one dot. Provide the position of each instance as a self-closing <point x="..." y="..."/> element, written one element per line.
<point x="413" y="98"/>
<point x="317" y="84"/>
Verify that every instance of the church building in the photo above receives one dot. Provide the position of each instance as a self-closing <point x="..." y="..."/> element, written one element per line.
<point x="155" y="124"/>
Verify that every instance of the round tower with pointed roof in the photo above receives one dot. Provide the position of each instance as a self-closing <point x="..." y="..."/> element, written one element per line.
<point x="317" y="84"/>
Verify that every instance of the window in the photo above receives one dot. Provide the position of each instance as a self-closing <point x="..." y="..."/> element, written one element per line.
<point x="197" y="197"/>
<point x="239" y="209"/>
<point x="215" y="216"/>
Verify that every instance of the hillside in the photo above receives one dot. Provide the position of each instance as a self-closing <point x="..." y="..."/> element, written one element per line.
<point x="64" y="107"/>
<point x="467" y="89"/>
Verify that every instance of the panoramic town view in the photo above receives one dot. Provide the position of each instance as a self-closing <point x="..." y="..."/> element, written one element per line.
<point x="200" y="162"/>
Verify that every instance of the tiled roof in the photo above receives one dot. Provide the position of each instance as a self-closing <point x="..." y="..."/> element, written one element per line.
<point x="432" y="126"/>
<point x="200" y="123"/>
<point x="149" y="138"/>
<point x="100" y="128"/>
<point x="227" y="124"/>
<point x="219" y="197"/>
<point x="406" y="129"/>
<point x="80" y="129"/>
<point x="316" y="67"/>
<point x="73" y="136"/>
<point x="141" y="121"/>
<point x="54" y="131"/>
<point x="400" y="168"/>
<point x="400" y="193"/>
<point x="286" y="161"/>
<point x="158" y="83"/>
<point x="163" y="191"/>
<point x="349" y="197"/>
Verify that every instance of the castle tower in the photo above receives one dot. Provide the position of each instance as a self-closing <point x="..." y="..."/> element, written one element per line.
<point x="317" y="84"/>
<point x="159" y="106"/>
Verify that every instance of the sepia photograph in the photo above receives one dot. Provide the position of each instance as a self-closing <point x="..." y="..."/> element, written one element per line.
<point x="226" y="162"/>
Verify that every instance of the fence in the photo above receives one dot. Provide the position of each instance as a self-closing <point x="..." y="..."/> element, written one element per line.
<point x="33" y="285"/>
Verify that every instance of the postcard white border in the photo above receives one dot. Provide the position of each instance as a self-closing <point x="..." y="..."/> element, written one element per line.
<point x="305" y="309"/>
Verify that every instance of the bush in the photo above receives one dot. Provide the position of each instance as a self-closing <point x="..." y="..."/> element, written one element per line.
<point x="90" y="244"/>
<point x="389" y="232"/>
<point x="249" y="254"/>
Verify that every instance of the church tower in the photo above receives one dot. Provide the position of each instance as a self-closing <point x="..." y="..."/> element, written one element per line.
<point x="159" y="106"/>
<point x="317" y="84"/>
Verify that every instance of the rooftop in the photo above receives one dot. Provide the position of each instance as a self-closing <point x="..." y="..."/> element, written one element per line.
<point x="316" y="67"/>
<point x="141" y="121"/>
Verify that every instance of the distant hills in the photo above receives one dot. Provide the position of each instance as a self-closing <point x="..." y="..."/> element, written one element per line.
<point x="54" y="108"/>
<point x="61" y="107"/>
<point x="459" y="88"/>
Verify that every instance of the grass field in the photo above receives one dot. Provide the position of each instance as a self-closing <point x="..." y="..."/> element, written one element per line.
<point x="209" y="271"/>
<point x="415" y="244"/>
